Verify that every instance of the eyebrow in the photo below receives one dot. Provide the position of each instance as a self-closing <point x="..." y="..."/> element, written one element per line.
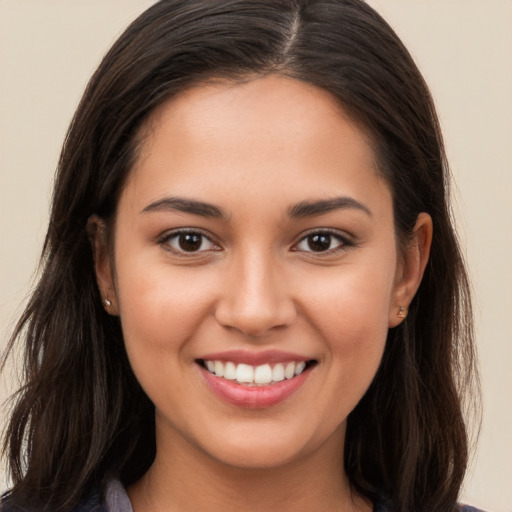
<point x="297" y="211"/>
<point x="314" y="208"/>
<point x="190" y="206"/>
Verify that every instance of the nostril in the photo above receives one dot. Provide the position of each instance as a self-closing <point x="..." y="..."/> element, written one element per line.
<point x="253" y="319"/>
<point x="254" y="299"/>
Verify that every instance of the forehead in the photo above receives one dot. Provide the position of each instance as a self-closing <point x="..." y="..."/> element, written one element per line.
<point x="265" y="108"/>
<point x="275" y="131"/>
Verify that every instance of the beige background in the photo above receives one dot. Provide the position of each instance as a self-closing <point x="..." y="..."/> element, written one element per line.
<point x="49" y="48"/>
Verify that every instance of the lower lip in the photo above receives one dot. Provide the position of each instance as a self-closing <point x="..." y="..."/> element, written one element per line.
<point x="253" y="397"/>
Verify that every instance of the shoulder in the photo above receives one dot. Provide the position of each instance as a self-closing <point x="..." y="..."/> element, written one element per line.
<point x="116" y="500"/>
<point x="90" y="503"/>
<point x="382" y="506"/>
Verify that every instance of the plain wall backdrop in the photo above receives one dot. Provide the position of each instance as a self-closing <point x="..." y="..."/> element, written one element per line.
<point x="49" y="48"/>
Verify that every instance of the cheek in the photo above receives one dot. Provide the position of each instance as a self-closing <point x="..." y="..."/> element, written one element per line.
<point x="350" y="310"/>
<point x="160" y="306"/>
<point x="353" y="302"/>
<point x="160" y="311"/>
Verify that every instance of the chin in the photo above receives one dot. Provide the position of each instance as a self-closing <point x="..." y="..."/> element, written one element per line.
<point x="257" y="457"/>
<point x="272" y="447"/>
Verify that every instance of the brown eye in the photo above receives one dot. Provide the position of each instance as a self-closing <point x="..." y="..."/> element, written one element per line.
<point x="188" y="242"/>
<point x="321" y="242"/>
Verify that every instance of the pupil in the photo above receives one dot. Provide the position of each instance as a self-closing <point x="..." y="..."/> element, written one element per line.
<point x="319" y="243"/>
<point x="190" y="242"/>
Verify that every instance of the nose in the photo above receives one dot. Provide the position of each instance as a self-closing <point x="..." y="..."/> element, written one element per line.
<point x="255" y="298"/>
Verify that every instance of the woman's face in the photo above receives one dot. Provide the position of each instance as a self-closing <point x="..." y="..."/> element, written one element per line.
<point x="255" y="271"/>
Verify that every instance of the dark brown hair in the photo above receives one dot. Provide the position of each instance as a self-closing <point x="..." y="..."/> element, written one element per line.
<point x="81" y="417"/>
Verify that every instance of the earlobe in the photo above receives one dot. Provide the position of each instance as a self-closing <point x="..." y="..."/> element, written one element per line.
<point x="97" y="233"/>
<point x="411" y="268"/>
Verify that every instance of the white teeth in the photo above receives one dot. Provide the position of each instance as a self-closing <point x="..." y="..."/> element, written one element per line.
<point x="289" y="371"/>
<point x="258" y="375"/>
<point x="219" y="369"/>
<point x="299" y="368"/>
<point x="263" y="374"/>
<point x="230" y="371"/>
<point x="244" y="373"/>
<point x="278" y="372"/>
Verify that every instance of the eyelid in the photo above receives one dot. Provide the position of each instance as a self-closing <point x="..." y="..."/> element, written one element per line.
<point x="164" y="239"/>
<point x="346" y="240"/>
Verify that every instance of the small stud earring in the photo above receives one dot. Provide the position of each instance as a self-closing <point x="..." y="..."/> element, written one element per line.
<point x="402" y="313"/>
<point x="107" y="303"/>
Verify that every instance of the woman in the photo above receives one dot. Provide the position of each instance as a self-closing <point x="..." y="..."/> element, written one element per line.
<point x="252" y="296"/>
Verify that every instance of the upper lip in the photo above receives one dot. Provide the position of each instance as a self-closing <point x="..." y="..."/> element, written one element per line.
<point x="255" y="358"/>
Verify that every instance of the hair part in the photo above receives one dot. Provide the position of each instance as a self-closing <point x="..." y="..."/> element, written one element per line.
<point x="81" y="416"/>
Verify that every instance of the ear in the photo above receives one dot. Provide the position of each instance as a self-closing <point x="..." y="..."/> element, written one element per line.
<point x="410" y="269"/>
<point x="97" y="232"/>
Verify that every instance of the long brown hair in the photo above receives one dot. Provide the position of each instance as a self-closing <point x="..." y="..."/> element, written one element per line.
<point x="81" y="416"/>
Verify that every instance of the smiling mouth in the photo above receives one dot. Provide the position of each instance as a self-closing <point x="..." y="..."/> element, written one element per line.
<point x="256" y="376"/>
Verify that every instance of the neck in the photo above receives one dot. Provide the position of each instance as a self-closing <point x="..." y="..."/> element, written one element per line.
<point x="184" y="479"/>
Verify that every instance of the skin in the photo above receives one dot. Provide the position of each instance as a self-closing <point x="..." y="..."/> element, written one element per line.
<point x="255" y="150"/>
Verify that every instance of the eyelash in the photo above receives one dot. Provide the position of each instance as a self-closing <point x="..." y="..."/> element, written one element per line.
<point x="165" y="240"/>
<point x="344" y="241"/>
